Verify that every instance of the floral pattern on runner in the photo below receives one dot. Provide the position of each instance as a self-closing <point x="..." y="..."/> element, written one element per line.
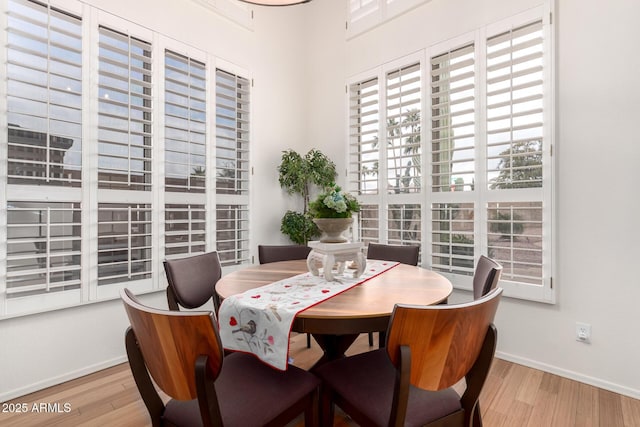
<point x="259" y="320"/>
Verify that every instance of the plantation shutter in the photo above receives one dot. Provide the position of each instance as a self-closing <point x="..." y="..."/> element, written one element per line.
<point x="453" y="238"/>
<point x="515" y="138"/>
<point x="44" y="95"/>
<point x="515" y="88"/>
<point x="44" y="159"/>
<point x="404" y="224"/>
<point x="403" y="125"/>
<point x="369" y="223"/>
<point x="124" y="112"/>
<point x="232" y="134"/>
<point x="364" y="122"/>
<point x="453" y="165"/>
<point x="185" y="124"/>
<point x="185" y="228"/>
<point x="185" y="155"/>
<point x="453" y="120"/>
<point x="403" y="128"/>
<point x="124" y="242"/>
<point x="124" y="160"/>
<point x="232" y="168"/>
<point x="43" y="249"/>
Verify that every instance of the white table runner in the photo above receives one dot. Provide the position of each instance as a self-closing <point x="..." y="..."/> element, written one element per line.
<point x="259" y="321"/>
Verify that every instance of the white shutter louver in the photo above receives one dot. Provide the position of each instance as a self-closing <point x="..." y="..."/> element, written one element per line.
<point x="124" y="118"/>
<point x="185" y="124"/>
<point x="43" y="248"/>
<point x="124" y="242"/>
<point x="44" y="95"/>
<point x="404" y="125"/>
<point x="515" y="131"/>
<point x="404" y="224"/>
<point x="232" y="133"/>
<point x="515" y="88"/>
<point x="453" y="238"/>
<point x="232" y="168"/>
<point x="453" y="120"/>
<point x="232" y="234"/>
<point x="368" y="223"/>
<point x="185" y="228"/>
<point x="515" y="240"/>
<point x="364" y="125"/>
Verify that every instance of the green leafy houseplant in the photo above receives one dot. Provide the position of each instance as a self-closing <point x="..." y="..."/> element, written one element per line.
<point x="298" y="175"/>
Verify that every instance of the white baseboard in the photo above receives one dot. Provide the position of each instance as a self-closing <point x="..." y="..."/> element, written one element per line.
<point x="12" y="394"/>
<point x="596" y="382"/>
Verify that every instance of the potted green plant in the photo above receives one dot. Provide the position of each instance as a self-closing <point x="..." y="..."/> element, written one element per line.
<point x="332" y="211"/>
<point x="298" y="175"/>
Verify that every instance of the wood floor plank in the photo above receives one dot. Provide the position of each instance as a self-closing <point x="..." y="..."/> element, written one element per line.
<point x="504" y="400"/>
<point x="550" y="383"/>
<point x="543" y="409"/>
<point x="630" y="411"/>
<point x="518" y="414"/>
<point x="587" y="408"/>
<point x="530" y="385"/>
<point x="491" y="418"/>
<point x="565" y="409"/>
<point x="610" y="406"/>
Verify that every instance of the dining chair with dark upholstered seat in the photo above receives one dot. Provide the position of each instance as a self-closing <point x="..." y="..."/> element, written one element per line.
<point x="486" y="276"/>
<point x="276" y="253"/>
<point x="428" y="350"/>
<point x="192" y="281"/>
<point x="182" y="352"/>
<point x="405" y="254"/>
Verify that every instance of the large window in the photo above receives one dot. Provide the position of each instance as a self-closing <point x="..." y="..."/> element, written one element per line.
<point x="118" y="156"/>
<point x="486" y="148"/>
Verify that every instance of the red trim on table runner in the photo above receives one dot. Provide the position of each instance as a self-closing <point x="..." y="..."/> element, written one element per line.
<point x="347" y="289"/>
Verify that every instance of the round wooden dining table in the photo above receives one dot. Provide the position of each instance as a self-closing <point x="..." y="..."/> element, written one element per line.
<point x="336" y="322"/>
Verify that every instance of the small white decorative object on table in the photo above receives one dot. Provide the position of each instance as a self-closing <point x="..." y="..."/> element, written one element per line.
<point x="330" y="254"/>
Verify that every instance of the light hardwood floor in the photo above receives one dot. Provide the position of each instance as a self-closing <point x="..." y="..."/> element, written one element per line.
<point x="514" y="395"/>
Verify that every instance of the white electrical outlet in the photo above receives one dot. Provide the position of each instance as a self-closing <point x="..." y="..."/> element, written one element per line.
<point x="583" y="332"/>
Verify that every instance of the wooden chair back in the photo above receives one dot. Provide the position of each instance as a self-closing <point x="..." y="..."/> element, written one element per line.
<point x="192" y="281"/>
<point x="445" y="340"/>
<point x="170" y="343"/>
<point x="406" y="254"/>
<point x="486" y="276"/>
<point x="275" y="253"/>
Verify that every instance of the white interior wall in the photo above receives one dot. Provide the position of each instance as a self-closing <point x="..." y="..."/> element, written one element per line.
<point x="598" y="105"/>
